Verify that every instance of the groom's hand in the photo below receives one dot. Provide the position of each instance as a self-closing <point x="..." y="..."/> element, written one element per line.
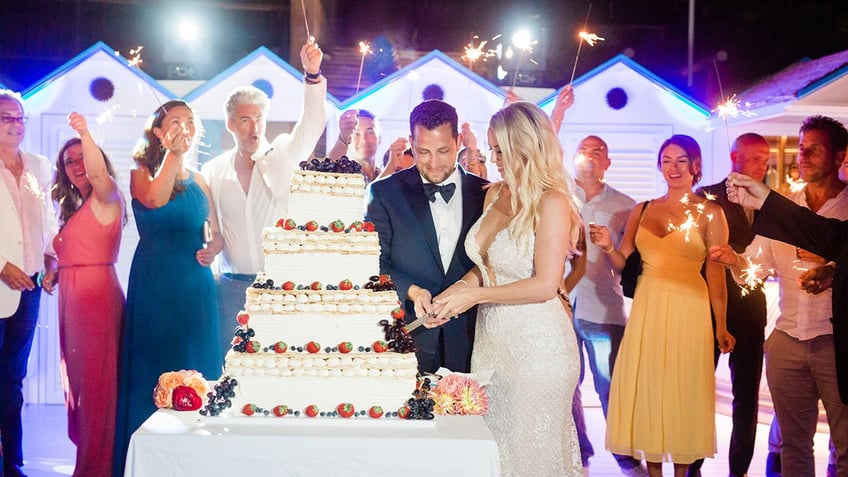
<point x="422" y="299"/>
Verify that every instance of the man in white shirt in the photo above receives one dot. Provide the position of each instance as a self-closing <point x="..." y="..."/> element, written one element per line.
<point x="26" y="249"/>
<point x="250" y="183"/>
<point x="800" y="357"/>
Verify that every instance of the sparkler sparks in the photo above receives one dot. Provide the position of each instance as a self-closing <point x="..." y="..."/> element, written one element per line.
<point x="730" y="108"/>
<point x="134" y="61"/>
<point x="693" y="214"/>
<point x="795" y="185"/>
<point x="590" y="38"/>
<point x="475" y="53"/>
<point x="107" y="115"/>
<point x="751" y="276"/>
<point x="579" y="159"/>
<point x="135" y="57"/>
<point x="30" y="183"/>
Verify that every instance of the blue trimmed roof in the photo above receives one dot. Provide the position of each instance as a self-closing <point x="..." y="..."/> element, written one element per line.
<point x="82" y="57"/>
<point x="797" y="80"/>
<point x="240" y="64"/>
<point x="814" y="86"/>
<point x="406" y="70"/>
<point x="650" y="76"/>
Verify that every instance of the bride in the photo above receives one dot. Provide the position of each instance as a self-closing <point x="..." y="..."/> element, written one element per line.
<point x="530" y="225"/>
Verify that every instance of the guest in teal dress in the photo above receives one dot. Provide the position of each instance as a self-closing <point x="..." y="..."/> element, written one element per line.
<point x="172" y="317"/>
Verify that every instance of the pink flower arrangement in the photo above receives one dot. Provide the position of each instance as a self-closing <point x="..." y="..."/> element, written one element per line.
<point x="182" y="390"/>
<point x="458" y="394"/>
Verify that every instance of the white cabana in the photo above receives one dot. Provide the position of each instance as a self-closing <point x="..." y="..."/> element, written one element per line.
<point x="634" y="111"/>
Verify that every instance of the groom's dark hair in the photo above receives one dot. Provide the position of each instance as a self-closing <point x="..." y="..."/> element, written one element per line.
<point x="433" y="113"/>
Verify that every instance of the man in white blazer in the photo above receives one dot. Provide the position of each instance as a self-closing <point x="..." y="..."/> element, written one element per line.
<point x="250" y="183"/>
<point x="29" y="225"/>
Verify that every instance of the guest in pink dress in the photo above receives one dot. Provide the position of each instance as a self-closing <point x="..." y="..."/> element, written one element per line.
<point x="91" y="301"/>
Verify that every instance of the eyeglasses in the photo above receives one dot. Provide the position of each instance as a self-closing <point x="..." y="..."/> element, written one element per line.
<point x="13" y="119"/>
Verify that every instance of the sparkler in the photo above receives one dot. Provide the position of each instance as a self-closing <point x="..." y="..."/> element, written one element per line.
<point x="474" y="53"/>
<point x="589" y="38"/>
<point x="729" y="106"/>
<point x="693" y="214"/>
<point x="579" y="159"/>
<point x="107" y="115"/>
<point x="305" y="21"/>
<point x="751" y="274"/>
<point x="364" y="49"/>
<point x="524" y="45"/>
<point x="795" y="185"/>
<point x="134" y="61"/>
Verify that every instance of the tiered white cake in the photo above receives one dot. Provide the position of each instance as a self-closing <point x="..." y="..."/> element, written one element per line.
<point x="319" y="331"/>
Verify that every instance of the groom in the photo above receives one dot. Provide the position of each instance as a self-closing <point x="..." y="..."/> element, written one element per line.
<point x="422" y="215"/>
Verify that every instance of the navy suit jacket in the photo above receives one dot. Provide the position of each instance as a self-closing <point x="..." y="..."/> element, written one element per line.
<point x="409" y="253"/>
<point x="784" y="220"/>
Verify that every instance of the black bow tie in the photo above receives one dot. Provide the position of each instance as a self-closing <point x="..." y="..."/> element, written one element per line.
<point x="446" y="190"/>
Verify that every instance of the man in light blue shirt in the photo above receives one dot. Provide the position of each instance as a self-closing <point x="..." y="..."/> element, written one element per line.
<point x="599" y="313"/>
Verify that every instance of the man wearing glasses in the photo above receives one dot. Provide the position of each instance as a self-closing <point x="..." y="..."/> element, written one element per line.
<point x="25" y="251"/>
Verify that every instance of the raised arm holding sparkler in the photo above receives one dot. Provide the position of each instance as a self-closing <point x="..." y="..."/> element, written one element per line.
<point x="564" y="100"/>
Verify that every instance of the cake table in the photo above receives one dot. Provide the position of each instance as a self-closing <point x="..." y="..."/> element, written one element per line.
<point x="172" y="443"/>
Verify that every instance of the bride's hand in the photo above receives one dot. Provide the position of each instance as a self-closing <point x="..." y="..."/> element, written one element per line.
<point x="458" y="302"/>
<point x="447" y="292"/>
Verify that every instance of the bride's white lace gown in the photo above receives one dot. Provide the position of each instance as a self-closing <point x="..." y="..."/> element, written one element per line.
<point x="533" y="352"/>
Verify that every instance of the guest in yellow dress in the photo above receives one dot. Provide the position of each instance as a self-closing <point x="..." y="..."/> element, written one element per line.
<point x="662" y="399"/>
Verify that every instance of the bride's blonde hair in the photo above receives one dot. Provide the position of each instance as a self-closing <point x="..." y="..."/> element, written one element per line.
<point x="532" y="162"/>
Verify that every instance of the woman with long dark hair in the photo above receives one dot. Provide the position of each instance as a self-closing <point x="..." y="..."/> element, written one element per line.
<point x="92" y="215"/>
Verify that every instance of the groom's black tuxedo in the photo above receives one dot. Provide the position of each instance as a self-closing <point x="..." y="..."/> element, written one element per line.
<point x="409" y="253"/>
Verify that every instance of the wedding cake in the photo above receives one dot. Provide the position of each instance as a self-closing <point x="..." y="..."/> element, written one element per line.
<point x="321" y="333"/>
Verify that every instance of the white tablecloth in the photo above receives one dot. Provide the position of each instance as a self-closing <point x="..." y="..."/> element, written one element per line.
<point x="172" y="443"/>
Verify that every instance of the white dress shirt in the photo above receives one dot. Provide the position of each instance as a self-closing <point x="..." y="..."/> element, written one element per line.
<point x="28" y="223"/>
<point x="243" y="216"/>
<point x="447" y="218"/>
<point x="803" y="315"/>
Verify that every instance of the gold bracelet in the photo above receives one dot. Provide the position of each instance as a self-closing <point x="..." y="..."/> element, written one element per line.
<point x="608" y="250"/>
<point x="463" y="281"/>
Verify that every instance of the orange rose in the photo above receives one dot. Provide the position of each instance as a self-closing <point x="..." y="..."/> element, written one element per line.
<point x="171" y="379"/>
<point x="162" y="397"/>
<point x="197" y="383"/>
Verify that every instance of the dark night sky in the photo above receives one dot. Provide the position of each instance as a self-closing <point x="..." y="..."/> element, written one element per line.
<point x="759" y="37"/>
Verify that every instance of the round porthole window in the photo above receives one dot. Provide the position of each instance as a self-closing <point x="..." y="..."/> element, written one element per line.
<point x="617" y="98"/>
<point x="102" y="89"/>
